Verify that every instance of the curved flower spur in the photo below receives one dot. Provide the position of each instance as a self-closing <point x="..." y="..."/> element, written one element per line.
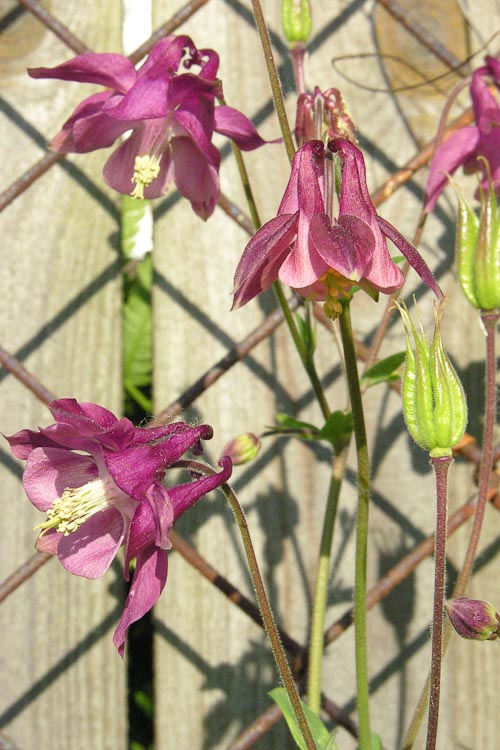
<point x="171" y="113"/>
<point x="99" y="481"/>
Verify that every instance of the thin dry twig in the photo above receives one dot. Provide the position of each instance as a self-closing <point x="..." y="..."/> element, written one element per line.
<point x="23" y="572"/>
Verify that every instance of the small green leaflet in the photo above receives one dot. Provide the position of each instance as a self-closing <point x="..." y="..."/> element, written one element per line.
<point x="336" y="430"/>
<point x="384" y="371"/>
<point x="321" y="736"/>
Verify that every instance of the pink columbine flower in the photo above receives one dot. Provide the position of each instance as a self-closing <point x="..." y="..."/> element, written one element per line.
<point x="171" y="113"/>
<point x="465" y="145"/>
<point x="99" y="481"/>
<point x="319" y="257"/>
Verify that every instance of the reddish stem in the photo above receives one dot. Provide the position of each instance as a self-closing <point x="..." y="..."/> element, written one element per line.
<point x="440" y="466"/>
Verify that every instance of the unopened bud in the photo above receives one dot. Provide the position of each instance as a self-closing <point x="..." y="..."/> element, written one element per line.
<point x="434" y="404"/>
<point x="296" y="19"/>
<point x="473" y="618"/>
<point x="477" y="248"/>
<point x="243" y="448"/>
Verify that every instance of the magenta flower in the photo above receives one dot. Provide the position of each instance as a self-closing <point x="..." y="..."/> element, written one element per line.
<point x="318" y="257"/>
<point x="99" y="481"/>
<point x="172" y="117"/>
<point x="465" y="145"/>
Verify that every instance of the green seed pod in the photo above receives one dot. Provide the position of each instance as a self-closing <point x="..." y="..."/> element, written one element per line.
<point x="297" y="20"/>
<point x="434" y="403"/>
<point x="477" y="248"/>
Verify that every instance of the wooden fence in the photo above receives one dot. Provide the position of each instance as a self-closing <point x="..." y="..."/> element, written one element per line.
<point x="62" y="685"/>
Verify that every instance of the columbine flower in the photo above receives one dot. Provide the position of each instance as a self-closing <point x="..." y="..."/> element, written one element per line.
<point x="172" y="117"/>
<point x="98" y="479"/>
<point x="319" y="257"/>
<point x="466" y="144"/>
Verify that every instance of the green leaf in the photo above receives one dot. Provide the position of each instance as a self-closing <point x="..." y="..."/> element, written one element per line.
<point x="383" y="371"/>
<point x="321" y="736"/>
<point x="137" y="328"/>
<point x="135" y="228"/>
<point x="306" y="333"/>
<point x="144" y="702"/>
<point x="337" y="429"/>
<point x="287" y="425"/>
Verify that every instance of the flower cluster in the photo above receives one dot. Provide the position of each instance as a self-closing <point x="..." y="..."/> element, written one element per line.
<point x="99" y="481"/>
<point x="171" y="113"/>
<point x="321" y="257"/>
<point x="467" y="144"/>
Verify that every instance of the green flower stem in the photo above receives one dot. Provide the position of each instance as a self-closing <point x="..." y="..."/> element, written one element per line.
<point x="441" y="466"/>
<point x="316" y="644"/>
<point x="307" y="360"/>
<point x="490" y="319"/>
<point x="264" y="606"/>
<point x="279" y="102"/>
<point x="361" y="528"/>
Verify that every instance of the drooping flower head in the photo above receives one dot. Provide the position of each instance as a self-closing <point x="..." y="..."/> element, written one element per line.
<point x="464" y="146"/>
<point x="170" y="111"/>
<point x="99" y="481"/>
<point x="319" y="256"/>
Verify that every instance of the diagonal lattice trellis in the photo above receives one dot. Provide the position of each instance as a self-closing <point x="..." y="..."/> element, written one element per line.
<point x="237" y="354"/>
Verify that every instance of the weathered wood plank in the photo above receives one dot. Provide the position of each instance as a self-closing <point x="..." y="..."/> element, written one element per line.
<point x="62" y="683"/>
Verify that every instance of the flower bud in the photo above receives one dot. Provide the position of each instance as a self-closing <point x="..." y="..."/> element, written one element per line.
<point x="243" y="448"/>
<point x="473" y="618"/>
<point x="434" y="404"/>
<point x="477" y="249"/>
<point x="296" y="19"/>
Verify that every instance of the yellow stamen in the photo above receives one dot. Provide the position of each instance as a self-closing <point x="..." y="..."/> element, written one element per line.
<point x="339" y="288"/>
<point x="146" y="169"/>
<point x="77" y="504"/>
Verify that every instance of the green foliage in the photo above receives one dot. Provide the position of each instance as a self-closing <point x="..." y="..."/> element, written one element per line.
<point x="137" y="327"/>
<point x="336" y="430"/>
<point x="384" y="371"/>
<point x="321" y="736"/>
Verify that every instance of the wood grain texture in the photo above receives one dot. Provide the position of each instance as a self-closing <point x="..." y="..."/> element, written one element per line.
<point x="63" y="685"/>
<point x="213" y="667"/>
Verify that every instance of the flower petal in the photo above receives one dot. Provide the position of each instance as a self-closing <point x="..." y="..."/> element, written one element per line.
<point x="49" y="471"/>
<point x="346" y="247"/>
<point x="268" y="246"/>
<point x="110" y="70"/>
<point x="195" y="177"/>
<point x="233" y="124"/>
<point x="49" y="542"/>
<point x="412" y="256"/>
<point x="119" y="168"/>
<point x="459" y="147"/>
<point x="149" y="580"/>
<point x="183" y="496"/>
<point x="90" y="550"/>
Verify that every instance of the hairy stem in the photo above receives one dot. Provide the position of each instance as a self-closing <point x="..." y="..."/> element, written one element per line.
<point x="440" y="466"/>
<point x="279" y="102"/>
<point x="489" y="318"/>
<point x="361" y="529"/>
<point x="317" y="640"/>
